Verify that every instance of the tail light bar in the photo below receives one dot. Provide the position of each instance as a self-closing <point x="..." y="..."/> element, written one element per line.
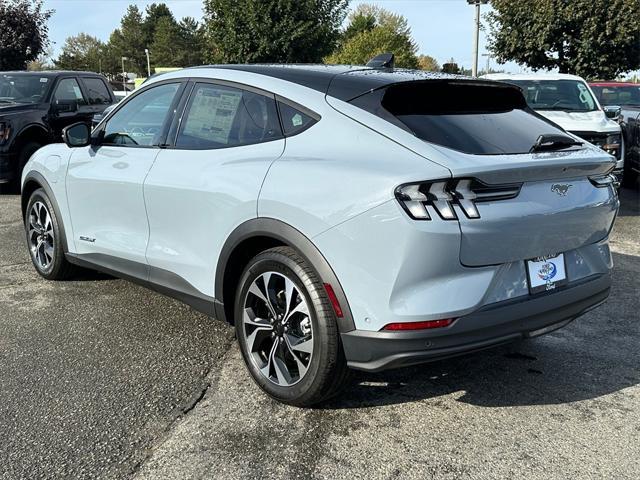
<point x="441" y="196"/>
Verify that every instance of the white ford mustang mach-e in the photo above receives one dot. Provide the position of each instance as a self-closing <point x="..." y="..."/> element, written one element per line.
<point x="340" y="217"/>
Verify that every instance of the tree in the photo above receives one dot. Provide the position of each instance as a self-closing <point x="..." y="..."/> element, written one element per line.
<point x="165" y="48"/>
<point x="153" y="14"/>
<point x="43" y="62"/>
<point x="373" y="30"/>
<point x="591" y="38"/>
<point x="23" y="32"/>
<point x="130" y="41"/>
<point x="191" y="42"/>
<point x="81" y="52"/>
<point x="245" y="31"/>
<point x="428" y="63"/>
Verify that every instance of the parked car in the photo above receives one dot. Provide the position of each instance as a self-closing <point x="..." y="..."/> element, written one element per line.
<point x="36" y="106"/>
<point x="624" y="101"/>
<point x="568" y="101"/>
<point x="340" y="217"/>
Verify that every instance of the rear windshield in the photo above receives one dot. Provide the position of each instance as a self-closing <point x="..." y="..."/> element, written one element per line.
<point x="476" y="118"/>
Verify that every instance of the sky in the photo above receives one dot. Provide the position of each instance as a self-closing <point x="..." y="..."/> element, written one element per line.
<point x="441" y="28"/>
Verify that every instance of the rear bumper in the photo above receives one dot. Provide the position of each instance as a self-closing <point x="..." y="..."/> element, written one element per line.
<point x="492" y="325"/>
<point x="7" y="170"/>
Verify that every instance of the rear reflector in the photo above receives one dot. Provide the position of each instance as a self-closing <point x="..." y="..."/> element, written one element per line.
<point x="334" y="300"/>
<point x="419" y="325"/>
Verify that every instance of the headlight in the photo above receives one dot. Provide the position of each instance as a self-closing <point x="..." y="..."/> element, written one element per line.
<point x="441" y="196"/>
<point x="5" y="130"/>
<point x="613" y="145"/>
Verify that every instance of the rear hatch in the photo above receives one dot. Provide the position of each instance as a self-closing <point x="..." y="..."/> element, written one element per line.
<point x="521" y="187"/>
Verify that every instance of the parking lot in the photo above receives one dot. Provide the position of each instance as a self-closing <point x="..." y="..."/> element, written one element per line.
<point x="104" y="379"/>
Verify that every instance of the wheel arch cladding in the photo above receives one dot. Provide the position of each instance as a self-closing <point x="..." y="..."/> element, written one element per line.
<point x="255" y="236"/>
<point x="33" y="181"/>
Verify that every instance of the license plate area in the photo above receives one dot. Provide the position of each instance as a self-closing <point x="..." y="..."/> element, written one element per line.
<point x="545" y="274"/>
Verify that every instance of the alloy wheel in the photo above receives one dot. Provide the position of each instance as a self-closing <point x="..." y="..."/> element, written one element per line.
<point x="277" y="328"/>
<point x="41" y="235"/>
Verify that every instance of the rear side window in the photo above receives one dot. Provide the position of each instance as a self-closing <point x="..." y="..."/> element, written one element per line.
<point x="221" y="116"/>
<point x="476" y="118"/>
<point x="294" y="120"/>
<point x="68" y="91"/>
<point x="97" y="91"/>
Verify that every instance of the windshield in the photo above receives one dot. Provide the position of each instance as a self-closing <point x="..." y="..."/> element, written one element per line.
<point x="618" y="95"/>
<point x="567" y="95"/>
<point x="22" y="88"/>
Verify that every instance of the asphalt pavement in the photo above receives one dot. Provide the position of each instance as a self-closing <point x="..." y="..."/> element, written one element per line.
<point x="100" y="378"/>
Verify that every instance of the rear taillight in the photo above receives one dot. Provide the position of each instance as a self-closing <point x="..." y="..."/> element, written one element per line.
<point x="443" y="196"/>
<point x="404" y="326"/>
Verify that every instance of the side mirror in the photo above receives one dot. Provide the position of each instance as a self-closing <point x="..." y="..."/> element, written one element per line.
<point x="77" y="135"/>
<point x="65" y="106"/>
<point x="613" y="111"/>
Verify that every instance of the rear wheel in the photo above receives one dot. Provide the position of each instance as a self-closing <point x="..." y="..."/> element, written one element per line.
<point x="287" y="330"/>
<point x="44" y="238"/>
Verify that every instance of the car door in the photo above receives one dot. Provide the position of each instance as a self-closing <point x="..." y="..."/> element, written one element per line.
<point x="98" y="94"/>
<point x="207" y="182"/>
<point x="68" y="105"/>
<point x="105" y="180"/>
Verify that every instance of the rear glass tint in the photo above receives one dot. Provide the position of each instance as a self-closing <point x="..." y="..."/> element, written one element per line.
<point x="476" y="118"/>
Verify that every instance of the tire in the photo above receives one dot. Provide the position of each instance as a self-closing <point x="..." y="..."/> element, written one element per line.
<point x="288" y="335"/>
<point x="44" y="238"/>
<point x="630" y="177"/>
<point x="26" y="151"/>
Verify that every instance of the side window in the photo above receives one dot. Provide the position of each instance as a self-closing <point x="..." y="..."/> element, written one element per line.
<point x="97" y="91"/>
<point x="294" y="120"/>
<point x="219" y="116"/>
<point x="68" y="91"/>
<point x="140" y="121"/>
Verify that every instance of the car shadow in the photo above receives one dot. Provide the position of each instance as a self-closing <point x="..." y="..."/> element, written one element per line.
<point x="595" y="355"/>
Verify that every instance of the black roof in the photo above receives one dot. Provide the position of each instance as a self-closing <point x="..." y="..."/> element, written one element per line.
<point x="48" y="73"/>
<point x="345" y="82"/>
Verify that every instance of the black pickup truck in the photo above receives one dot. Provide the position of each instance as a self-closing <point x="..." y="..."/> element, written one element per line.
<point x="36" y="106"/>
<point x="625" y="98"/>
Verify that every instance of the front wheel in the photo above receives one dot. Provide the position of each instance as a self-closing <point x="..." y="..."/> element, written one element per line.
<point x="287" y="330"/>
<point x="44" y="238"/>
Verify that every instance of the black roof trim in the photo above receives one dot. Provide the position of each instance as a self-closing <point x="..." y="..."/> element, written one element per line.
<point x="344" y="82"/>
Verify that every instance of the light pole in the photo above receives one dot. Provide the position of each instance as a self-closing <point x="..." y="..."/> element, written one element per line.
<point x="124" y="78"/>
<point x="476" y="36"/>
<point x="146" y="51"/>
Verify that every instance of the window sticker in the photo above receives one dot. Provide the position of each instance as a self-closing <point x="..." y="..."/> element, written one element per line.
<point x="211" y="115"/>
<point x="77" y="92"/>
<point x="43" y="80"/>
<point x="296" y="120"/>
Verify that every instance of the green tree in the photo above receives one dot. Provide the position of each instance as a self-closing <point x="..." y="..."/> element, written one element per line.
<point x="166" y="48"/>
<point x="191" y="42"/>
<point x="242" y="31"/>
<point x="130" y="41"/>
<point x="373" y="30"/>
<point x="81" y="52"/>
<point x="153" y="14"/>
<point x="23" y="32"/>
<point x="591" y="38"/>
<point x="428" y="63"/>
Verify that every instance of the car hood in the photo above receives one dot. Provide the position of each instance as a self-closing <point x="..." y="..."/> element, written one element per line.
<point x="11" y="108"/>
<point x="595" y="121"/>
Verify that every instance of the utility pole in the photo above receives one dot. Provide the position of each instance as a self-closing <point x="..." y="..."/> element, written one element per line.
<point x="489" y="57"/>
<point x="146" y="51"/>
<point x="476" y="35"/>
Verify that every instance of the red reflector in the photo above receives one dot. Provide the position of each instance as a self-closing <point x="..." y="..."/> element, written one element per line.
<point x="334" y="300"/>
<point x="419" y="325"/>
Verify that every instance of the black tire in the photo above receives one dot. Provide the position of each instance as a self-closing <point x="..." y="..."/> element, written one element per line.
<point x="327" y="370"/>
<point x="630" y="177"/>
<point x="26" y="150"/>
<point x="58" y="268"/>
